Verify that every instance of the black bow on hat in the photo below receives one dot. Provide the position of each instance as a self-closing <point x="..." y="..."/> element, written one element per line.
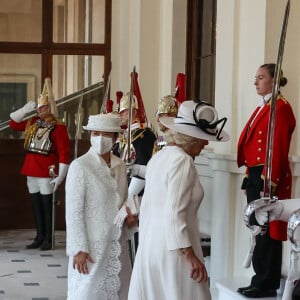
<point x="209" y="127"/>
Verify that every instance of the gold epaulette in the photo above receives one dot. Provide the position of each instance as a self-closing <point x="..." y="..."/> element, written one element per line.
<point x="282" y="98"/>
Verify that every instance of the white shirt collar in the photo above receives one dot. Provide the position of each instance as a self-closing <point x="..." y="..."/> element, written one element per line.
<point x="264" y="99"/>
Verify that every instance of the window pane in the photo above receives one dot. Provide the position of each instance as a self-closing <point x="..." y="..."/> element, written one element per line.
<point x="207" y="28"/>
<point x="72" y="73"/>
<point x="20" y="81"/>
<point x="80" y="21"/>
<point x="21" y="20"/>
<point x="75" y="109"/>
<point x="75" y="72"/>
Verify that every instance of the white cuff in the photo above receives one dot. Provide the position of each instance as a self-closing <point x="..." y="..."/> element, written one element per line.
<point x="135" y="187"/>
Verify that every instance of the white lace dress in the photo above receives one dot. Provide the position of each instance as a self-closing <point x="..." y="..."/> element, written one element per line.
<point x="94" y="194"/>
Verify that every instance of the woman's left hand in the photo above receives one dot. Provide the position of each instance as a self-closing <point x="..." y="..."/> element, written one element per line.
<point x="131" y="220"/>
<point x="198" y="270"/>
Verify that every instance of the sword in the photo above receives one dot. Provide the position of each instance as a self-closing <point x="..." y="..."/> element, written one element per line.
<point x="275" y="91"/>
<point x="131" y="94"/>
<point x="78" y="127"/>
<point x="105" y="96"/>
<point x="128" y="158"/>
<point x="52" y="174"/>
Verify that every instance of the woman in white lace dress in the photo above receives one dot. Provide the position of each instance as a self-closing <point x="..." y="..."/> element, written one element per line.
<point x="96" y="189"/>
<point x="169" y="263"/>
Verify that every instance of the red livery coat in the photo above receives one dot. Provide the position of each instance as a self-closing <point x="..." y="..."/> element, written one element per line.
<point x="252" y="151"/>
<point x="37" y="165"/>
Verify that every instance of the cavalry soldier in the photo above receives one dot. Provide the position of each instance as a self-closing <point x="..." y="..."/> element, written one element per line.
<point x="137" y="151"/>
<point x="46" y="144"/>
<point x="142" y="141"/>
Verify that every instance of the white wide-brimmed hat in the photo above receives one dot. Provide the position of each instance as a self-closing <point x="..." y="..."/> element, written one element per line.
<point x="197" y="119"/>
<point x="110" y="122"/>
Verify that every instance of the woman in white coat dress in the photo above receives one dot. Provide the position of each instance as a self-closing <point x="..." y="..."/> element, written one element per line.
<point x="96" y="189"/>
<point x="169" y="263"/>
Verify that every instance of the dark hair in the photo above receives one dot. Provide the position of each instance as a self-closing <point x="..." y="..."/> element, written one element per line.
<point x="271" y="70"/>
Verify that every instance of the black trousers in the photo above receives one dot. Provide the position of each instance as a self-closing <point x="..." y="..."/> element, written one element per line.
<point x="267" y="255"/>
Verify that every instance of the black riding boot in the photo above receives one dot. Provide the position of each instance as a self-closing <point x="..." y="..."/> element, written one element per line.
<point x="47" y="214"/>
<point x="36" y="202"/>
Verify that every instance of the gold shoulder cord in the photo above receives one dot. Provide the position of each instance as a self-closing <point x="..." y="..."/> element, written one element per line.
<point x="123" y="140"/>
<point x="30" y="130"/>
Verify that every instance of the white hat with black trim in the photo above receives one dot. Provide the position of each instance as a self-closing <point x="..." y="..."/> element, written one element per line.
<point x="198" y="119"/>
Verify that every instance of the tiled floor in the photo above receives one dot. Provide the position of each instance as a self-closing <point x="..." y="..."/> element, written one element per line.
<point x="32" y="274"/>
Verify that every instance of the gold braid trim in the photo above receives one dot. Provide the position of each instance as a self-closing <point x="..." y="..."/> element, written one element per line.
<point x="134" y="136"/>
<point x="31" y="129"/>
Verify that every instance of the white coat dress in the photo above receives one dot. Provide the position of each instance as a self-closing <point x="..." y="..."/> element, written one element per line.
<point x="168" y="222"/>
<point x="94" y="194"/>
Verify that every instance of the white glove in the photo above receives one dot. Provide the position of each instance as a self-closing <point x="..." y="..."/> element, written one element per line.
<point x="269" y="212"/>
<point x="19" y="114"/>
<point x="261" y="216"/>
<point x="135" y="186"/>
<point x="138" y="170"/>
<point x="63" y="169"/>
<point x="134" y="204"/>
<point x="120" y="216"/>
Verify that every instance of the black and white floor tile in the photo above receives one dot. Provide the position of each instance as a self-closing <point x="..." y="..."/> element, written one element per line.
<point x="32" y="274"/>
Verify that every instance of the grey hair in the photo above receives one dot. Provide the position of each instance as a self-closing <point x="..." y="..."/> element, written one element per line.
<point x="178" y="138"/>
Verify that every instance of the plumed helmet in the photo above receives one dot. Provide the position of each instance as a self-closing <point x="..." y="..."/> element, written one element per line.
<point x="167" y="105"/>
<point x="124" y="102"/>
<point x="47" y="97"/>
<point x="43" y="100"/>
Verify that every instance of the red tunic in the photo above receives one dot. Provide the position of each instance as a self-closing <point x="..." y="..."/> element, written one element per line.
<point x="252" y="151"/>
<point x="37" y="165"/>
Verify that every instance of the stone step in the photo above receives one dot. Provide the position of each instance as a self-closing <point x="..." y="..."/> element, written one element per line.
<point x="227" y="290"/>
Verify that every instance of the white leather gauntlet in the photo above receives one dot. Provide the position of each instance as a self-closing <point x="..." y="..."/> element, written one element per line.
<point x="135" y="187"/>
<point x="19" y="114"/>
<point x="138" y="170"/>
<point x="63" y="169"/>
<point x="134" y="205"/>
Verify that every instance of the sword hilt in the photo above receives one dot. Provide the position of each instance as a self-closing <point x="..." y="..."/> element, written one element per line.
<point x="52" y="172"/>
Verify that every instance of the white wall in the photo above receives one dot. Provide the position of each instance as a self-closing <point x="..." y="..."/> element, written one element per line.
<point x="143" y="35"/>
<point x="151" y="35"/>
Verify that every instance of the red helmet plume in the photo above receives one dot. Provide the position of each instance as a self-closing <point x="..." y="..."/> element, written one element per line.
<point x="109" y="106"/>
<point x="180" y="88"/>
<point x="137" y="93"/>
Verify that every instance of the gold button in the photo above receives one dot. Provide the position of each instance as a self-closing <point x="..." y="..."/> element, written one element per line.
<point x="258" y="158"/>
<point x="259" y="149"/>
<point x="259" y="141"/>
<point x="260" y="132"/>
